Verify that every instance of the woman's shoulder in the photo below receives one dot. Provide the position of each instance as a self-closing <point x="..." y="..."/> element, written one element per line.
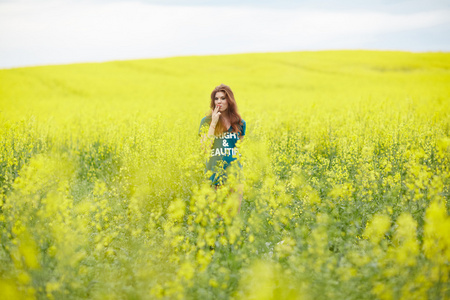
<point x="204" y="123"/>
<point x="206" y="119"/>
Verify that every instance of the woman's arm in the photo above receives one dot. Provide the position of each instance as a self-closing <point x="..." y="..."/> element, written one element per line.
<point x="208" y="139"/>
<point x="212" y="129"/>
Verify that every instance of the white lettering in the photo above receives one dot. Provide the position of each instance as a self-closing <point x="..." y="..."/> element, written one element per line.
<point x="224" y="151"/>
<point x="228" y="135"/>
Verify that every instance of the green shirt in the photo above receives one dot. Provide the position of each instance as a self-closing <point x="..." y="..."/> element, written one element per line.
<point x="223" y="150"/>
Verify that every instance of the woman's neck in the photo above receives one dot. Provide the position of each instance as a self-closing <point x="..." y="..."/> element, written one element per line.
<point x="225" y="118"/>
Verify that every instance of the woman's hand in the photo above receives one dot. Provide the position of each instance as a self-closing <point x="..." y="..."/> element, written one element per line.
<point x="215" y="116"/>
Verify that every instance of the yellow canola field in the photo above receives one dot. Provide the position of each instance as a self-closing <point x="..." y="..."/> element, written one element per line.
<point x="346" y="163"/>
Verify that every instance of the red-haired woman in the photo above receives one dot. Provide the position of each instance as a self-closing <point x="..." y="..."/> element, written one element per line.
<point x="226" y="127"/>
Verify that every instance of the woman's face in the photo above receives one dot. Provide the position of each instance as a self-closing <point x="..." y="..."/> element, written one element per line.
<point x="221" y="100"/>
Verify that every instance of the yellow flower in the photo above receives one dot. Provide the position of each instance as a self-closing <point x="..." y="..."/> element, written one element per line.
<point x="377" y="227"/>
<point x="176" y="209"/>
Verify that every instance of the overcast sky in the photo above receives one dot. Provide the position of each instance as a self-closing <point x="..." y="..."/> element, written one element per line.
<point x="44" y="32"/>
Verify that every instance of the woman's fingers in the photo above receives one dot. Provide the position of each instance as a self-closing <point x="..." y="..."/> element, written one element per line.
<point x="216" y="109"/>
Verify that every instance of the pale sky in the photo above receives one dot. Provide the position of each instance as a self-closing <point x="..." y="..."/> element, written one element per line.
<point x="41" y="32"/>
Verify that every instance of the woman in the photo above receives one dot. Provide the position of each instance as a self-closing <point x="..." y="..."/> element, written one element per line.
<point x="220" y="131"/>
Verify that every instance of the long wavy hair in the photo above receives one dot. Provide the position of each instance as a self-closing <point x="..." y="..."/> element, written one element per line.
<point x="232" y="110"/>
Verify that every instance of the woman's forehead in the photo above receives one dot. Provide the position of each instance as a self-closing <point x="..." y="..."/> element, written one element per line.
<point x="220" y="94"/>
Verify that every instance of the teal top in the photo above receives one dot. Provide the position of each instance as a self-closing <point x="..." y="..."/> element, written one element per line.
<point x="223" y="148"/>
